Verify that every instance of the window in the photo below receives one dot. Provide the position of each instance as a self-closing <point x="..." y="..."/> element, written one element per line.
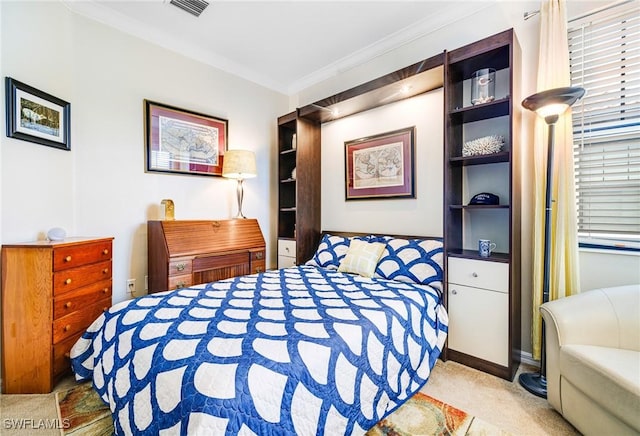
<point x="604" y="49"/>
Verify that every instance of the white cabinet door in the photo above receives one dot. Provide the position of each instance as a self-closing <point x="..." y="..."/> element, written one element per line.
<point x="479" y="323"/>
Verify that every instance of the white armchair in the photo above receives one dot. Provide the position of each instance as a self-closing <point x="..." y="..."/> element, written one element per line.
<point x="593" y="359"/>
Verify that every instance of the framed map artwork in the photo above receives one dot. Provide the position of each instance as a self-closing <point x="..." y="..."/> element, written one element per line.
<point x="380" y="166"/>
<point x="182" y="141"/>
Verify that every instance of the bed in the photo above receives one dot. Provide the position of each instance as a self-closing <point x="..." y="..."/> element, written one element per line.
<point x="329" y="347"/>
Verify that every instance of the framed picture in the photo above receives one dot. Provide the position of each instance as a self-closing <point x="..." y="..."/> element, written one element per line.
<point x="35" y="116"/>
<point x="182" y="141"/>
<point x="380" y="166"/>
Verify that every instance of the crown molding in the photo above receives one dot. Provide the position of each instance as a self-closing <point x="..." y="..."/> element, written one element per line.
<point x="107" y="16"/>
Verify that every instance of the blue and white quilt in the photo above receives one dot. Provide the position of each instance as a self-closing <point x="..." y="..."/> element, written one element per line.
<point x="301" y="350"/>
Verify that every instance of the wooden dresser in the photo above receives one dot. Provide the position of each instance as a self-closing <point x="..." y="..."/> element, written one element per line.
<point x="186" y="253"/>
<point x="51" y="292"/>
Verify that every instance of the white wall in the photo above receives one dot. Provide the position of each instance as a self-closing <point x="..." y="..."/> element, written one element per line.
<point x="497" y="17"/>
<point x="420" y="216"/>
<point x="100" y="188"/>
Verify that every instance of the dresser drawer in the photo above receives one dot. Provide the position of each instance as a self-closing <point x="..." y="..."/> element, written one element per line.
<point x="77" y="255"/>
<point x="80" y="298"/>
<point x="286" y="247"/>
<point x="286" y="261"/>
<point x="68" y="280"/>
<point x="61" y="354"/>
<point x="179" y="282"/>
<point x="479" y="274"/>
<point x="77" y="322"/>
<point x="179" y="266"/>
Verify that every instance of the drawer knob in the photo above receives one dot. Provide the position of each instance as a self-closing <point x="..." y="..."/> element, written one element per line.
<point x="286" y="249"/>
<point x="454" y="292"/>
<point x="67" y="328"/>
<point x="180" y="285"/>
<point x="474" y="274"/>
<point x="105" y="291"/>
<point x="258" y="269"/>
<point x="67" y="259"/>
<point x="67" y="282"/>
<point x="181" y="266"/>
<point x="105" y="271"/>
<point x="259" y="255"/>
<point x="68" y="304"/>
<point x="105" y="251"/>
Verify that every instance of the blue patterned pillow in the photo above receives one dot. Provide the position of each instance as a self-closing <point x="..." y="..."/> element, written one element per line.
<point x="331" y="250"/>
<point x="413" y="261"/>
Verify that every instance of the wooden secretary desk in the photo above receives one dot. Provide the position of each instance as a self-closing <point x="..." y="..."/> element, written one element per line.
<point x="186" y="253"/>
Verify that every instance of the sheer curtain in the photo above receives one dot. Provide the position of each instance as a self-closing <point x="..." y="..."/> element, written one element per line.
<point x="553" y="72"/>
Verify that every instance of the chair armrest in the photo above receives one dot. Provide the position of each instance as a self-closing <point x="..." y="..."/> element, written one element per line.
<point x="603" y="317"/>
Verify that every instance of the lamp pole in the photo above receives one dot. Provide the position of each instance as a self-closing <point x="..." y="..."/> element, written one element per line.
<point x="549" y="104"/>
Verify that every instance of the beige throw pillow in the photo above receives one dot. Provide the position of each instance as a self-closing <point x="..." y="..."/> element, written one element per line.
<point x="362" y="258"/>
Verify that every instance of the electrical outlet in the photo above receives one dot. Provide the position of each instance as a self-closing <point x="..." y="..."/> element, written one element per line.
<point x="131" y="286"/>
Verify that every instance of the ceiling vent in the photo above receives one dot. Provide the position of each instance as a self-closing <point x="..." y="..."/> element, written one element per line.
<point x="194" y="7"/>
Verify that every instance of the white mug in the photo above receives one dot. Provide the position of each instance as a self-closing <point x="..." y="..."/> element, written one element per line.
<point x="485" y="247"/>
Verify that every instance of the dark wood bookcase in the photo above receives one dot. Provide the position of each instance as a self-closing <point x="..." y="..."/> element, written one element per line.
<point x="298" y="195"/>
<point x="483" y="294"/>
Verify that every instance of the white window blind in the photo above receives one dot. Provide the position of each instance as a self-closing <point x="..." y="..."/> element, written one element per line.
<point x="605" y="60"/>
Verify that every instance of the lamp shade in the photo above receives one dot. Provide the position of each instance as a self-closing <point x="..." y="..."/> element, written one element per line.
<point x="553" y="102"/>
<point x="239" y="164"/>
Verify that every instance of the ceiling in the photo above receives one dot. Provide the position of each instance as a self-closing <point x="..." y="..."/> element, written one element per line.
<point x="283" y="45"/>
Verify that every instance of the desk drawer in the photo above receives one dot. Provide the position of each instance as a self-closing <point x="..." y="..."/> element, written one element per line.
<point x="479" y="274"/>
<point x="179" y="282"/>
<point x="179" y="266"/>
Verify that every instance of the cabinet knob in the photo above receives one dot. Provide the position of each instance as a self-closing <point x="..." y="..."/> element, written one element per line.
<point x="67" y="282"/>
<point x="105" y="251"/>
<point x="105" y="291"/>
<point x="180" y="285"/>
<point x="67" y="328"/>
<point x="474" y="274"/>
<point x="259" y="255"/>
<point x="105" y="271"/>
<point x="454" y="292"/>
<point x="68" y="304"/>
<point x="286" y="249"/>
<point x="67" y="259"/>
<point x="258" y="269"/>
<point x="180" y="266"/>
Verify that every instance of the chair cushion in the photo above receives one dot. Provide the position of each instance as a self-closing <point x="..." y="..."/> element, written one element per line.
<point x="609" y="376"/>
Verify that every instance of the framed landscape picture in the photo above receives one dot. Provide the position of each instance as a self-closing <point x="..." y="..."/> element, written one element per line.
<point x="35" y="116"/>
<point x="182" y="141"/>
<point x="380" y="166"/>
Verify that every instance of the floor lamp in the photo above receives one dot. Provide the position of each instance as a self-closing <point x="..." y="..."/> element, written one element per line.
<point x="550" y="105"/>
<point x="239" y="165"/>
